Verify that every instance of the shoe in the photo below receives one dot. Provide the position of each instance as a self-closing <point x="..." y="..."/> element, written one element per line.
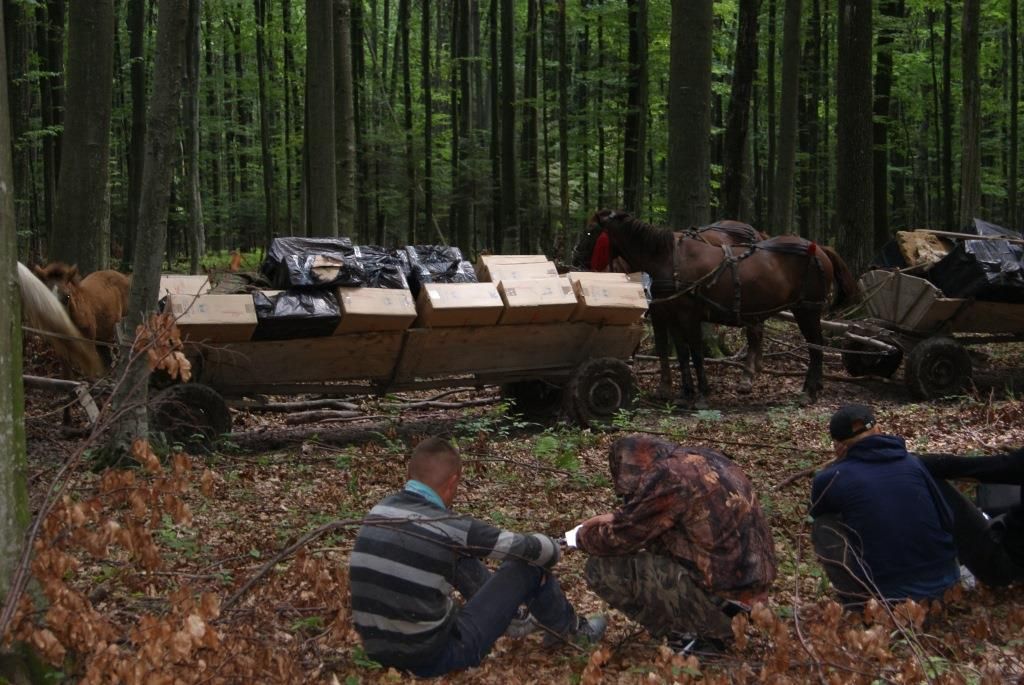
<point x="587" y="631"/>
<point x="521" y="625"/>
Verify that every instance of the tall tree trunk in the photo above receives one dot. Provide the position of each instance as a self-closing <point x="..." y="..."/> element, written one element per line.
<point x="82" y="221"/>
<point x="770" y="87"/>
<point x="948" y="219"/>
<point x="509" y="194"/>
<point x="970" y="122"/>
<point x="936" y="114"/>
<point x="528" y="238"/>
<point x="214" y="137"/>
<point x="196" y="228"/>
<point x="320" y="182"/>
<point x="14" y="511"/>
<point x="344" y="106"/>
<point x="810" y="98"/>
<point x="635" y="130"/>
<point x="289" y="112"/>
<point x="410" y="155"/>
<point x="883" y="87"/>
<point x="129" y="397"/>
<point x="50" y="44"/>
<point x="1011" y="186"/>
<point x="269" y="190"/>
<point x="428" y="116"/>
<point x="782" y="205"/>
<point x="20" y="19"/>
<point x="464" y="113"/>
<point x="561" y="241"/>
<point x="854" y="193"/>
<point x="360" y="115"/>
<point x="738" y="117"/>
<point x="603" y="199"/>
<point x="242" y="108"/>
<point x="689" y="113"/>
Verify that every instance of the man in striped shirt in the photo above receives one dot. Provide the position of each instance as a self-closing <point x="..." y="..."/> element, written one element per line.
<point x="412" y="551"/>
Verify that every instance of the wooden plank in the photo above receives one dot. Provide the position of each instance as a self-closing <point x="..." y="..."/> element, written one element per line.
<point x="364" y="356"/>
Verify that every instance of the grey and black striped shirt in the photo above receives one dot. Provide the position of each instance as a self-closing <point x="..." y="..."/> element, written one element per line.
<point x="402" y="569"/>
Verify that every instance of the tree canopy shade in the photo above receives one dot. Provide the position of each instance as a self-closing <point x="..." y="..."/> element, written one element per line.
<point x="499" y="125"/>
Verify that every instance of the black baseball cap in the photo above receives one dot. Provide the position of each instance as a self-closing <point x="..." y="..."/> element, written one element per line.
<point x="842" y="424"/>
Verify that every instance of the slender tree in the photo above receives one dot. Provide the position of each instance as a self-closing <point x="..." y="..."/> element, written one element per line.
<point x="269" y="189"/>
<point x="344" y="105"/>
<point x="738" y="117"/>
<point x="196" y="226"/>
<point x="854" y="194"/>
<point x="947" y="118"/>
<point x="970" y="121"/>
<point x="509" y="194"/>
<point x="320" y="179"/>
<point x="782" y="206"/>
<point x="81" y="232"/>
<point x="1014" y="54"/>
<point x="635" y="134"/>
<point x="563" y="128"/>
<point x="689" y="113"/>
<point x="428" y="114"/>
<point x="883" y="88"/>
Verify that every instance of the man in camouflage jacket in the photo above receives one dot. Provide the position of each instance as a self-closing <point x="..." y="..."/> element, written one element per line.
<point x="688" y="548"/>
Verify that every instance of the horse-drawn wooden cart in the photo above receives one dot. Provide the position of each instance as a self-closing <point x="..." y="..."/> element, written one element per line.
<point x="577" y="368"/>
<point x="909" y="321"/>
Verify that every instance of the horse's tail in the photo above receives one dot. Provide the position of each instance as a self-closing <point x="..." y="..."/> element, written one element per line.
<point x="846" y="285"/>
<point x="44" y="312"/>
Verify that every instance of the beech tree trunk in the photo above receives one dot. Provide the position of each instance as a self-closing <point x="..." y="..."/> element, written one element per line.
<point x="196" y="227"/>
<point x="81" y="232"/>
<point x="689" y="113"/>
<point x="164" y="112"/>
<point x="782" y="206"/>
<point x="509" y="194"/>
<point x="1011" y="184"/>
<point x="970" y="121"/>
<point x="530" y="198"/>
<point x="635" y="134"/>
<point x="428" y="116"/>
<point x="321" y="187"/>
<point x="948" y="218"/>
<point x="737" y="120"/>
<point x="562" y="241"/>
<point x="269" y="190"/>
<point x="854" y="192"/>
<point x="344" y="105"/>
<point x="883" y="87"/>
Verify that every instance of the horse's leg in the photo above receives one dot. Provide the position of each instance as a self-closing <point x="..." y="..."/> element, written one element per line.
<point x="752" y="363"/>
<point x="683" y="356"/>
<point x="809" y="321"/>
<point x="661" y="348"/>
<point x="697" y="356"/>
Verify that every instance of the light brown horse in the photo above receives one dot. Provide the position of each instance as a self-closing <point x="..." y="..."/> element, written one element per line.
<point x="733" y="285"/>
<point x="95" y="303"/>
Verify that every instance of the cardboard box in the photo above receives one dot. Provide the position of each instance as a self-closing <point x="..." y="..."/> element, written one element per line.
<point x="375" y="309"/>
<point x="605" y="276"/>
<point x="486" y="261"/>
<point x="541" y="300"/>
<point x="459" y="304"/>
<point x="216" y="318"/>
<point x="521" y="272"/>
<point x="177" y="284"/>
<point x="605" y="302"/>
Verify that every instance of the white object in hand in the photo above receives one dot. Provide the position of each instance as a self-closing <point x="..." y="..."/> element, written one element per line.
<point x="570" y="536"/>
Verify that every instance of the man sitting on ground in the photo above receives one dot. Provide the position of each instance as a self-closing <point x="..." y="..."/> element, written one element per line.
<point x="688" y="549"/>
<point x="412" y="550"/>
<point x="991" y="549"/>
<point x="881" y="526"/>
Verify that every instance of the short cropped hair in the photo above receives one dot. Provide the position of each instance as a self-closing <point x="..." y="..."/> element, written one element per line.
<point x="433" y="461"/>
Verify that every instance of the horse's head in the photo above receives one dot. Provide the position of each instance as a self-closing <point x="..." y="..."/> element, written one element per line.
<point x="584" y="248"/>
<point x="59" y="278"/>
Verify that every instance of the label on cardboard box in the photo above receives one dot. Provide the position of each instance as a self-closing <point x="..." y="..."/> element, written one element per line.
<point x="217" y="318"/>
<point x="522" y="272"/>
<point x="375" y="309"/>
<point x="459" y="304"/>
<point x="609" y="302"/>
<point x="546" y="300"/>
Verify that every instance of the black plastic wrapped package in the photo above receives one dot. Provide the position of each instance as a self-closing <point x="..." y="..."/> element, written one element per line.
<point x="991" y="270"/>
<point x="383" y="268"/>
<point x="437" y="264"/>
<point x="295" y="314"/>
<point x="312" y="263"/>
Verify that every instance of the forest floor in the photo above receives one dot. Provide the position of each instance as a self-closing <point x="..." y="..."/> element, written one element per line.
<point x="144" y="563"/>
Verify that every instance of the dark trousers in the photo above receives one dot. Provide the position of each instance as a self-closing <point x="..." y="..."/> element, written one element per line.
<point x="659" y="593"/>
<point x="839" y="550"/>
<point x="493" y="599"/>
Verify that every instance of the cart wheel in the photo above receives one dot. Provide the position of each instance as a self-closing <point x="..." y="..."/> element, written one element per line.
<point x="598" y="389"/>
<point x="190" y="414"/>
<point x="534" y="399"/>
<point x="884" y="365"/>
<point x="938" y="367"/>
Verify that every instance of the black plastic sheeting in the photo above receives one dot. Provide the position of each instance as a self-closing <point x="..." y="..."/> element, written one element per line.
<point x="384" y="268"/>
<point x="990" y="270"/>
<point x="295" y="314"/>
<point x="312" y="263"/>
<point x="436" y="264"/>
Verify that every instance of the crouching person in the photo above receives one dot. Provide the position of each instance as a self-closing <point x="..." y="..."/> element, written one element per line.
<point x="688" y="549"/>
<point x="412" y="551"/>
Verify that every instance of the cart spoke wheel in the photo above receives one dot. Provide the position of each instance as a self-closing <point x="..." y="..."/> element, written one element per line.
<point x="938" y="367"/>
<point x="884" y="365"/>
<point x="534" y="399"/>
<point x="599" y="388"/>
<point x="190" y="414"/>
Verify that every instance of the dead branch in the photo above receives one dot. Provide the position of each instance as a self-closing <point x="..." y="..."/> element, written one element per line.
<point x="434" y="404"/>
<point x="525" y="464"/>
<point x="794" y="477"/>
<point x="289" y="407"/>
<point x="321" y="415"/>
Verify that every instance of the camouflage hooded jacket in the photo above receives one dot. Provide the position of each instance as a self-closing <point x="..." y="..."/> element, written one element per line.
<point x="690" y="503"/>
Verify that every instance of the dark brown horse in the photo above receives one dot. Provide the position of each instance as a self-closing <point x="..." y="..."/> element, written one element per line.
<point x="736" y="285"/>
<point x="722" y="232"/>
<point x="95" y="303"/>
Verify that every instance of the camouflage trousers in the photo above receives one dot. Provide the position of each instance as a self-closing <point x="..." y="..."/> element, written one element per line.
<point x="660" y="594"/>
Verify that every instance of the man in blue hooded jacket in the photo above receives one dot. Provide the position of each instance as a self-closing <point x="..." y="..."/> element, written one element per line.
<point x="881" y="526"/>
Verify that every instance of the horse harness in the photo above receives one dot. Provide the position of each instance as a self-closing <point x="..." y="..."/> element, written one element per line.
<point x="731" y="260"/>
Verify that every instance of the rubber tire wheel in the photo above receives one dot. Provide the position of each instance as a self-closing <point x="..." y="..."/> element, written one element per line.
<point x="884" y="365"/>
<point x="190" y="414"/>
<point x="598" y="390"/>
<point x="938" y="367"/>
<point x="534" y="399"/>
